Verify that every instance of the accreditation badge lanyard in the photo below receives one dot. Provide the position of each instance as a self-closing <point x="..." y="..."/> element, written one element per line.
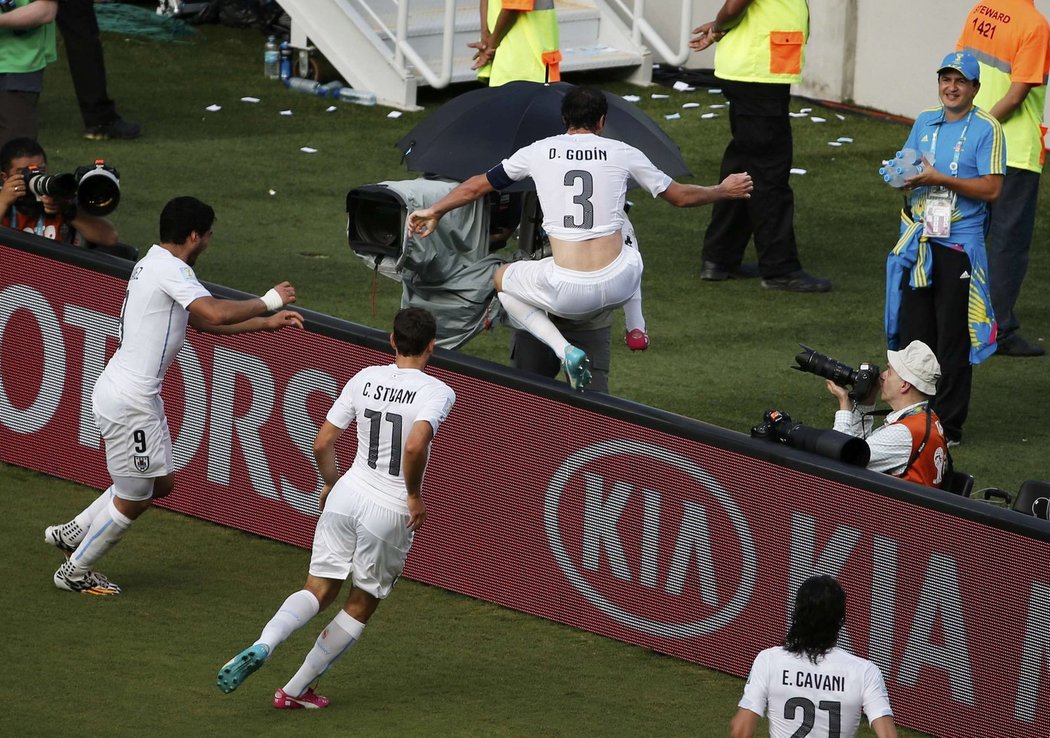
<point x="940" y="201"/>
<point x="39" y="221"/>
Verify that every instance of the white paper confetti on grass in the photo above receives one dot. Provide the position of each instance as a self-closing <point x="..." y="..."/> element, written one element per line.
<point x="250" y="99"/>
<point x="709" y="115"/>
<point x="797" y="170"/>
<point x="716" y="106"/>
<point x="797" y="115"/>
<point x="331" y="108"/>
<point x="308" y="150"/>
<point x="394" y="114"/>
<point x="689" y="106"/>
<point x="807" y="111"/>
<point x="817" y="119"/>
<point x="834" y="143"/>
<point x="272" y="192"/>
<point x="213" y="108"/>
<point x="840" y="116"/>
<point x="658" y="96"/>
<point x="683" y="86"/>
<point x="845" y="139"/>
<point x="672" y="116"/>
<point x="631" y="98"/>
<point x="714" y="91"/>
<point x="286" y="112"/>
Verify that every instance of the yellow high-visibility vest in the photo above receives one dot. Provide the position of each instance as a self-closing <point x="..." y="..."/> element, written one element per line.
<point x="529" y="51"/>
<point x="767" y="45"/>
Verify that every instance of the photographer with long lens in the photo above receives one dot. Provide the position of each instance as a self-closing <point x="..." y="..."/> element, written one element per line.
<point x="910" y="444"/>
<point x="51" y="206"/>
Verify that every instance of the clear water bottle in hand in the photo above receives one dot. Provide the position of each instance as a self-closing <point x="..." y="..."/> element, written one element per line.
<point x="271" y="59"/>
<point x="891" y="174"/>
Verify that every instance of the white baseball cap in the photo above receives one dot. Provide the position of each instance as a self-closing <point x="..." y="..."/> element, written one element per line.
<point x="916" y="365"/>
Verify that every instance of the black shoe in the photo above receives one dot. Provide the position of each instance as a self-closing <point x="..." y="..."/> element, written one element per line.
<point x="714" y="273"/>
<point x="119" y="128"/>
<point x="1014" y="345"/>
<point x="798" y="281"/>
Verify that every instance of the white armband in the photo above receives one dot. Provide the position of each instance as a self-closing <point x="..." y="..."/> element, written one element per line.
<point x="272" y="300"/>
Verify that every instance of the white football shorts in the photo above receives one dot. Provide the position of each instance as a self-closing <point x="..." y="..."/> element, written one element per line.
<point x="572" y="294"/>
<point x="371" y="544"/>
<point x="138" y="442"/>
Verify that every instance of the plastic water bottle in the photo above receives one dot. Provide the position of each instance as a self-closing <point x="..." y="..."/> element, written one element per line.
<point x="358" y="97"/>
<point x="891" y="175"/>
<point x="301" y="84"/>
<point x="330" y="89"/>
<point x="286" y="61"/>
<point x="270" y="59"/>
<point x="909" y="156"/>
<point x="909" y="170"/>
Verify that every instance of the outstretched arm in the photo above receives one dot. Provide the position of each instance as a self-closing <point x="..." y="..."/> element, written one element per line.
<point x="275" y="322"/>
<point x="424" y="222"/>
<point x="212" y="315"/>
<point x="734" y="187"/>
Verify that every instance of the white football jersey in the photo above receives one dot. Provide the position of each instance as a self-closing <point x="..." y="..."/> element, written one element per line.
<point x="825" y="699"/>
<point x="385" y="401"/>
<point x="582" y="180"/>
<point x="153" y="320"/>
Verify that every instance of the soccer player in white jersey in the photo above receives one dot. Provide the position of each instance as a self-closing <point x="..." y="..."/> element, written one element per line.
<point x="368" y="516"/>
<point x="581" y="181"/>
<point x="162" y="297"/>
<point x="808" y="686"/>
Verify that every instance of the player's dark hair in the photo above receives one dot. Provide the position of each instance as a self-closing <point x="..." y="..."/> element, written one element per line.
<point x="583" y="107"/>
<point x="414" y="329"/>
<point x="19" y="148"/>
<point x="819" y="614"/>
<point x="183" y="216"/>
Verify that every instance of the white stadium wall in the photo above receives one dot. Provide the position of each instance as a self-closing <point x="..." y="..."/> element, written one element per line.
<point x="879" y="54"/>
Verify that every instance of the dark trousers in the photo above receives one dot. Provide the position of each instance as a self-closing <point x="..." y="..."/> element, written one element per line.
<point x="761" y="145"/>
<point x="19" y="116"/>
<point x="529" y="354"/>
<point x="937" y="316"/>
<point x="79" y="28"/>
<point x="1011" y="222"/>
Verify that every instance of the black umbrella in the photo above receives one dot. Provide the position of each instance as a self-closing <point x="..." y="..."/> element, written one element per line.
<point x="475" y="131"/>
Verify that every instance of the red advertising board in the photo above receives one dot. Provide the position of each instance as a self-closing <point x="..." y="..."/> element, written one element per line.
<point x="607" y="516"/>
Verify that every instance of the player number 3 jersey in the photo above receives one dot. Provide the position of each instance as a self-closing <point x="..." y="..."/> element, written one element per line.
<point x="386" y="401"/>
<point x="819" y="700"/>
<point x="581" y="181"/>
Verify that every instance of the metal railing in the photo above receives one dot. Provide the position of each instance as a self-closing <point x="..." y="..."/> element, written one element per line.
<point x="641" y="28"/>
<point x="403" y="48"/>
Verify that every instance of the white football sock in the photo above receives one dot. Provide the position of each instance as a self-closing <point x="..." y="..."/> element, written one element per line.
<point x="335" y="640"/>
<point x="536" y="322"/>
<point x="105" y="531"/>
<point x="73" y="531"/>
<point x="632" y="312"/>
<point x="293" y="614"/>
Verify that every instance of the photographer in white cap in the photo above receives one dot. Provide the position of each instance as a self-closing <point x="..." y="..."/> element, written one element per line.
<point x="911" y="443"/>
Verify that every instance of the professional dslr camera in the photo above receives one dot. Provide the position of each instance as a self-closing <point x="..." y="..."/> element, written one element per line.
<point x="778" y="426"/>
<point x="96" y="187"/>
<point x="862" y="380"/>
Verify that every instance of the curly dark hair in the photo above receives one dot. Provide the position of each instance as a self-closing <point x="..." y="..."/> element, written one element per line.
<point x="819" y="614"/>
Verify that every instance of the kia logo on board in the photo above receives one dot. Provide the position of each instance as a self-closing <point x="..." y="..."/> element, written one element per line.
<point x="639" y="530"/>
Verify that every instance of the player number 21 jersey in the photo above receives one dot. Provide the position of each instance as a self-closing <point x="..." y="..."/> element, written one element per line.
<point x="822" y="700"/>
